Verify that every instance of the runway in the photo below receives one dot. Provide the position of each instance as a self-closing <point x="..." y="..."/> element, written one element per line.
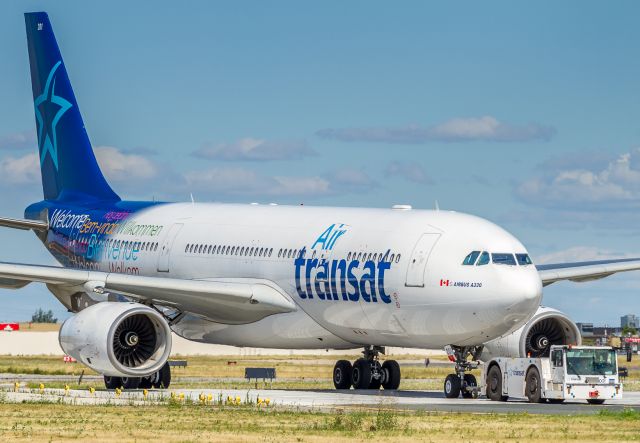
<point x="320" y="400"/>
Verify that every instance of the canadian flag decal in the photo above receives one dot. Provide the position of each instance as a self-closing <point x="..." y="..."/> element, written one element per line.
<point x="444" y="282"/>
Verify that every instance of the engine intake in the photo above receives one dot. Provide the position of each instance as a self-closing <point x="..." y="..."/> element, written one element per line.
<point x="547" y="327"/>
<point x="118" y="339"/>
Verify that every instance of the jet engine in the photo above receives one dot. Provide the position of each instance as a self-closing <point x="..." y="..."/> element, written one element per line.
<point x="547" y="327"/>
<point x="118" y="339"/>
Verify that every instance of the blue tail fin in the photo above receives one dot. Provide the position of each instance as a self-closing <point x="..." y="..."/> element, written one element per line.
<point x="69" y="167"/>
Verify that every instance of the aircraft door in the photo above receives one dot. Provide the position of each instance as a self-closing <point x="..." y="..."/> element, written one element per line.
<point x="165" y="250"/>
<point x="557" y="366"/>
<point x="419" y="258"/>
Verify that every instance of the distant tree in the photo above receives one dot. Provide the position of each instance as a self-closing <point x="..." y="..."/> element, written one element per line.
<point x="629" y="330"/>
<point x="41" y="316"/>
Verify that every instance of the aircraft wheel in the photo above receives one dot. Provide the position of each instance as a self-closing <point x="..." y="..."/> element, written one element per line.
<point x="162" y="378"/>
<point x="342" y="374"/>
<point x="595" y="401"/>
<point x="130" y="382"/>
<point x="532" y="386"/>
<point x="452" y="386"/>
<point x="392" y="370"/>
<point x="469" y="380"/>
<point x="145" y="383"/>
<point x="112" y="382"/>
<point x="361" y="374"/>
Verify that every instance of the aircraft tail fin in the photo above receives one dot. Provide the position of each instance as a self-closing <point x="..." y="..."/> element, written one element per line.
<point x="67" y="162"/>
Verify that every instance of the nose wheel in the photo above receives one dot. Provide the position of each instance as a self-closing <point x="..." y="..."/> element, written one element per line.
<point x="462" y="383"/>
<point x="367" y="372"/>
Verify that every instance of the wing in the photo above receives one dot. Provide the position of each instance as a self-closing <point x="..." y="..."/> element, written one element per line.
<point x="229" y="301"/>
<point x="585" y="271"/>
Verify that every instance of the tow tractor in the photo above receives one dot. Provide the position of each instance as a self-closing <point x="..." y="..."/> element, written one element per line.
<point x="569" y="373"/>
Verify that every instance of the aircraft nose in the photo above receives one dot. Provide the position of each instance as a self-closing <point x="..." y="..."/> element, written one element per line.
<point x="524" y="294"/>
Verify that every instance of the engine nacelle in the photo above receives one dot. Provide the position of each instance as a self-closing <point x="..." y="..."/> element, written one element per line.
<point x="118" y="339"/>
<point x="547" y="327"/>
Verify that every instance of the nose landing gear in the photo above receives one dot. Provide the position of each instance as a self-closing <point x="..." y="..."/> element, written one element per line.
<point x="367" y="372"/>
<point x="461" y="383"/>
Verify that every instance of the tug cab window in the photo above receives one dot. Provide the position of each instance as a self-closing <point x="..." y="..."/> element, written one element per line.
<point x="470" y="259"/>
<point x="484" y="259"/>
<point x="503" y="259"/>
<point x="523" y="259"/>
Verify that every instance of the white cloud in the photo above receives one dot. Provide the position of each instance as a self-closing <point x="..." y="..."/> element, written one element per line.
<point x="486" y="128"/>
<point x="252" y="149"/>
<point x="409" y="171"/>
<point x="615" y="185"/>
<point x="23" y="170"/>
<point x="19" y="140"/>
<point x="245" y="182"/>
<point x="121" y="167"/>
<point x="242" y="182"/>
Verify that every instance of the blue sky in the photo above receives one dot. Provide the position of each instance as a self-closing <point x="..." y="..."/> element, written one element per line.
<point x="526" y="114"/>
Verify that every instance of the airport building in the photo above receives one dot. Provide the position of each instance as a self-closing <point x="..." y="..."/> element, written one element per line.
<point x="630" y="320"/>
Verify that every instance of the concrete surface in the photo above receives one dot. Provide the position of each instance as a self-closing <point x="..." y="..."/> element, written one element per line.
<point x="322" y="400"/>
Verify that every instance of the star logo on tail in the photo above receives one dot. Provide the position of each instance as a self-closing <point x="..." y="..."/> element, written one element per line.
<point x="49" y="109"/>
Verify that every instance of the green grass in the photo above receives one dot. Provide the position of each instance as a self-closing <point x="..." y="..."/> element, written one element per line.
<point x="191" y="421"/>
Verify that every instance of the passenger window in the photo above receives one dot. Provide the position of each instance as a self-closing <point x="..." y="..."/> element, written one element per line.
<point x="523" y="259"/>
<point x="470" y="259"/>
<point x="503" y="259"/>
<point x="484" y="259"/>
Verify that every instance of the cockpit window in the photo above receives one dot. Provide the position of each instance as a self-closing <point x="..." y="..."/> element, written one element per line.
<point x="470" y="259"/>
<point x="523" y="259"/>
<point x="484" y="259"/>
<point x="503" y="259"/>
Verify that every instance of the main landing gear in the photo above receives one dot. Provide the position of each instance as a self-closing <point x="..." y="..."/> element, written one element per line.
<point x="158" y="380"/>
<point x="367" y="372"/>
<point x="461" y="383"/>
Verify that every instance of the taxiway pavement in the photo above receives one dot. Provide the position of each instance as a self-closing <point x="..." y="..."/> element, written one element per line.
<point x="323" y="400"/>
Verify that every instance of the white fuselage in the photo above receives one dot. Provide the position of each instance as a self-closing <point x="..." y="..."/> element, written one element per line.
<point x="357" y="276"/>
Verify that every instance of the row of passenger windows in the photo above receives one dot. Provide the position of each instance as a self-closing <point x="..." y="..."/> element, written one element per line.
<point x="122" y="244"/>
<point x="229" y="250"/>
<point x="483" y="258"/>
<point x="248" y="251"/>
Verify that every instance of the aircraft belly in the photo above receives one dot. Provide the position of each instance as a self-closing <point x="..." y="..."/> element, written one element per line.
<point x="293" y="330"/>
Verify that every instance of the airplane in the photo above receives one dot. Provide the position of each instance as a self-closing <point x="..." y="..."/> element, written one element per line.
<point x="269" y="276"/>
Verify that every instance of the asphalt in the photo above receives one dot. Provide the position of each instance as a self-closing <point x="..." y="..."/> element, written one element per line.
<point x="322" y="400"/>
